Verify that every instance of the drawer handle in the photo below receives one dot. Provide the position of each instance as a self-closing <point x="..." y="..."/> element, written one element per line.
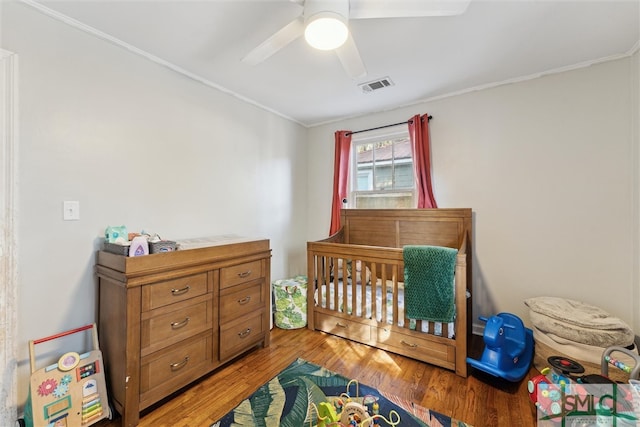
<point x="244" y="333"/>
<point x="408" y="344"/>
<point x="342" y="325"/>
<point x="176" y="366"/>
<point x="178" y="325"/>
<point x="176" y="292"/>
<point x="244" y="274"/>
<point x="244" y="300"/>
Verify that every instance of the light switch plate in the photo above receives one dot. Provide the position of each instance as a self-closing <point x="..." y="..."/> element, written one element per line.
<point x="71" y="210"/>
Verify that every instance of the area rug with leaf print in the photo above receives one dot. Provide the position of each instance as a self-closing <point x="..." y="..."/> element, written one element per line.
<point x="305" y="394"/>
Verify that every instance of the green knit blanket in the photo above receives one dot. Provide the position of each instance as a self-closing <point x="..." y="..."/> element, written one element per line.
<point x="428" y="281"/>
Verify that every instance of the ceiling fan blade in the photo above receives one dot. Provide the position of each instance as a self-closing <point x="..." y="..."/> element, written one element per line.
<point x="350" y="59"/>
<point x="280" y="39"/>
<point x="365" y="9"/>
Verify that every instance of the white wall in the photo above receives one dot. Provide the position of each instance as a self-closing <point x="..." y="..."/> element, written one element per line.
<point x="547" y="167"/>
<point x="140" y="145"/>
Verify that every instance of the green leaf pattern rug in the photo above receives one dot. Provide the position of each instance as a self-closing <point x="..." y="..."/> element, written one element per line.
<point x="287" y="400"/>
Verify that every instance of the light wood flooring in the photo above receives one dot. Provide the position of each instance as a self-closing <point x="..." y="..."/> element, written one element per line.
<point x="480" y="400"/>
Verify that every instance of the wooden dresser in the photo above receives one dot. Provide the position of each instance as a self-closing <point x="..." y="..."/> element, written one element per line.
<point x="167" y="319"/>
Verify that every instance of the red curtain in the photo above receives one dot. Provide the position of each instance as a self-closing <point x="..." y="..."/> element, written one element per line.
<point x="421" y="149"/>
<point x="340" y="176"/>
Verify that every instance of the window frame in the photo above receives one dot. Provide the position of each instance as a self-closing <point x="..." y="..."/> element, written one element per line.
<point x="373" y="137"/>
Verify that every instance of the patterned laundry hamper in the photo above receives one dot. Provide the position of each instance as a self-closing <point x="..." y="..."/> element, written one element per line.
<point x="290" y="302"/>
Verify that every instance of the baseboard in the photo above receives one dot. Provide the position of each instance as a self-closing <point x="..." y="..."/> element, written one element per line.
<point x="477" y="328"/>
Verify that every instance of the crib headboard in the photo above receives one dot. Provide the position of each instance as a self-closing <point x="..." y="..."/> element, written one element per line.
<point x="395" y="228"/>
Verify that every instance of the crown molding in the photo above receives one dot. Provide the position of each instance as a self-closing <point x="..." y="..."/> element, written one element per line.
<point x="104" y="36"/>
<point x="133" y="49"/>
<point x="492" y="85"/>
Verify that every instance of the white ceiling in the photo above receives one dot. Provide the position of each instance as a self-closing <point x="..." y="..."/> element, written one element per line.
<point x="492" y="42"/>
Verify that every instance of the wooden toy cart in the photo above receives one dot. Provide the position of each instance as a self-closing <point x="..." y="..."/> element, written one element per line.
<point x="71" y="392"/>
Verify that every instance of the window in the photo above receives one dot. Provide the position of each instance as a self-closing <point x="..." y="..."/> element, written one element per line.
<point x="382" y="173"/>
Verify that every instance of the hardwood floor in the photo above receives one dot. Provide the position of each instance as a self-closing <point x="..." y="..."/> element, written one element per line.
<point x="480" y="400"/>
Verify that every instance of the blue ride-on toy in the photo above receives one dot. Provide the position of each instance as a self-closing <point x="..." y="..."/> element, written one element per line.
<point x="508" y="348"/>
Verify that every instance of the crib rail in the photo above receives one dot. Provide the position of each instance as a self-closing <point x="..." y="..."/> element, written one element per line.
<point x="348" y="275"/>
<point x="345" y="271"/>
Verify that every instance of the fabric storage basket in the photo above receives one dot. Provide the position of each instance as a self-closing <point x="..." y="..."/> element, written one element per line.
<point x="162" y="246"/>
<point x="117" y="249"/>
<point x="290" y="302"/>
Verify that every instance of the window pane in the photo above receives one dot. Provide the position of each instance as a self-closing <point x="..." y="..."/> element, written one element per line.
<point x="384" y="176"/>
<point x="404" y="175"/>
<point x="364" y="164"/>
<point x="365" y="180"/>
<point x="383" y="165"/>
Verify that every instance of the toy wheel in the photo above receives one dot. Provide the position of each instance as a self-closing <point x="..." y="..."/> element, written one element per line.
<point x="565" y="365"/>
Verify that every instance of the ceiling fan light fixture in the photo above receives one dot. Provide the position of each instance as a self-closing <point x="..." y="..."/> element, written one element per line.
<point x="326" y="30"/>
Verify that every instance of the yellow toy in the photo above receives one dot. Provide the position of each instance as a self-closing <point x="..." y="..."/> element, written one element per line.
<point x="350" y="411"/>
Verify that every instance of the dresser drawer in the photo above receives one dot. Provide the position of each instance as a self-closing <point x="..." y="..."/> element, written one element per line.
<point x="176" y="365"/>
<point x="241" y="273"/>
<point x="239" y="300"/>
<point x="172" y="291"/>
<point x="242" y="334"/>
<point x="162" y="330"/>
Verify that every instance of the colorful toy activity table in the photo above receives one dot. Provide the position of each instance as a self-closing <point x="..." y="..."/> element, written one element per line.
<point x="71" y="392"/>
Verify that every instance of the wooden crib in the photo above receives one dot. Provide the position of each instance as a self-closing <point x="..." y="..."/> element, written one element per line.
<point x="359" y="271"/>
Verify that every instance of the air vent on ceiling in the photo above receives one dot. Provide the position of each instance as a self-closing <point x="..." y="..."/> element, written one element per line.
<point x="376" y="85"/>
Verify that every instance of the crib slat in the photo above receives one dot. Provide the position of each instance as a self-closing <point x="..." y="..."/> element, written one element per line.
<point x="321" y="264"/>
<point x="322" y="277"/>
<point x="445" y="329"/>
<point x="336" y="282"/>
<point x="363" y="288"/>
<point x="345" y="288"/>
<point x="326" y="281"/>
<point x="420" y="325"/>
<point x="374" y="290"/>
<point x="396" y="306"/>
<point x="383" y="311"/>
<point x="345" y="282"/>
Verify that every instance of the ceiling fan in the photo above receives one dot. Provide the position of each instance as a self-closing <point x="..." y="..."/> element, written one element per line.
<point x="335" y="14"/>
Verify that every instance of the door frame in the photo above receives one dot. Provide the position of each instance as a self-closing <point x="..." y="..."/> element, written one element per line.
<point x="8" y="232"/>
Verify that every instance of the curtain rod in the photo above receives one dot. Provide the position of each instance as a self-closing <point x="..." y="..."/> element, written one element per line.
<point x="382" y="127"/>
